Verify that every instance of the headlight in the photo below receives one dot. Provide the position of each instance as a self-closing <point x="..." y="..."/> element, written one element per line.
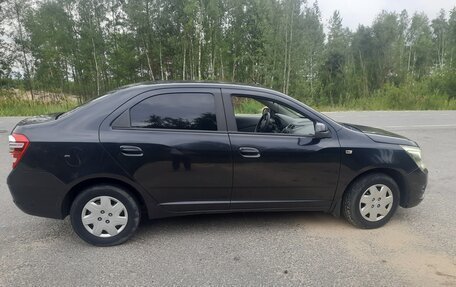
<point x="415" y="154"/>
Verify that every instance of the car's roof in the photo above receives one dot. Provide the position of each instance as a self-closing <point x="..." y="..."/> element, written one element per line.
<point x="207" y="84"/>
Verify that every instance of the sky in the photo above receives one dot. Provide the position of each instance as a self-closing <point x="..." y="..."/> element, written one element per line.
<point x="355" y="12"/>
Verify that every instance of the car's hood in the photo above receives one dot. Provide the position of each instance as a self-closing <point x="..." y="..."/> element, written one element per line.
<point x="382" y="136"/>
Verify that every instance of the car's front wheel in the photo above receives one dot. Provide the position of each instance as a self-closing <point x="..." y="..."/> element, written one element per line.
<point x="104" y="215"/>
<point x="371" y="201"/>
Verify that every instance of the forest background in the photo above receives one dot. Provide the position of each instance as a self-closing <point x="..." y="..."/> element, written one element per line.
<point x="55" y="54"/>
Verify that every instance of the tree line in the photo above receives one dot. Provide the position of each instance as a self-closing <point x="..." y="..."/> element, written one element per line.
<point x="88" y="47"/>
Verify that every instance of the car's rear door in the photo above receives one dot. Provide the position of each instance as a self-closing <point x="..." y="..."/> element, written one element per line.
<point x="280" y="171"/>
<point x="174" y="143"/>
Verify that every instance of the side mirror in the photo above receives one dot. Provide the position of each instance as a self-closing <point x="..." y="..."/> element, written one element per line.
<point x="321" y="131"/>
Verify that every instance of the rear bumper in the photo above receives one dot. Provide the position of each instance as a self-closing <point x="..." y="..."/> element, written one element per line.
<point x="415" y="184"/>
<point x="37" y="193"/>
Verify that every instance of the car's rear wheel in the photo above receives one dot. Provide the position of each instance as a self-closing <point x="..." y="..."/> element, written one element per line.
<point x="104" y="215"/>
<point x="371" y="201"/>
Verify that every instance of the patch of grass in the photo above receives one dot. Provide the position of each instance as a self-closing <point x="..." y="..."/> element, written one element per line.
<point x="413" y="97"/>
<point x="410" y="96"/>
<point x="20" y="107"/>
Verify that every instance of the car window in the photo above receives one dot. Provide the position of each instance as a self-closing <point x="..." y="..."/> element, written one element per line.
<point x="176" y="111"/>
<point x="249" y="111"/>
<point x="245" y="105"/>
<point x="88" y="103"/>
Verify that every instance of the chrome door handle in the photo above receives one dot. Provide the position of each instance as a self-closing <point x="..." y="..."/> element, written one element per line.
<point x="128" y="150"/>
<point x="249" y="152"/>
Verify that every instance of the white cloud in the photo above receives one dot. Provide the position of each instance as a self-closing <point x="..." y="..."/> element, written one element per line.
<point x="355" y="12"/>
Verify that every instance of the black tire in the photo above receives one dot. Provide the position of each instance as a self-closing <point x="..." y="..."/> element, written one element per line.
<point x="118" y="194"/>
<point x="351" y="201"/>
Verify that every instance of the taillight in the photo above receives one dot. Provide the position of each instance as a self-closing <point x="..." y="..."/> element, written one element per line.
<point x="18" y="144"/>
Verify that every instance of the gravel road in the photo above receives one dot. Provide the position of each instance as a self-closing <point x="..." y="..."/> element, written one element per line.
<point x="417" y="248"/>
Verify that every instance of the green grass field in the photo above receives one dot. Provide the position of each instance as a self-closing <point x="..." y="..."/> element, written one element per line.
<point x="386" y="103"/>
<point x="19" y="107"/>
<point x="395" y="98"/>
<point x="387" y="99"/>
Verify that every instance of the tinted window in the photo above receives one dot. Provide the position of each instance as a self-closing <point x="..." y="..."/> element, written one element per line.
<point x="176" y="111"/>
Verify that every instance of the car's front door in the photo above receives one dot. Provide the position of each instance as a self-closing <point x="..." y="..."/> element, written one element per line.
<point x="276" y="169"/>
<point x="174" y="143"/>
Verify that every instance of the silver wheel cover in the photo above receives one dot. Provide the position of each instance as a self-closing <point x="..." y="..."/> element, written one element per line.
<point x="376" y="202"/>
<point x="104" y="216"/>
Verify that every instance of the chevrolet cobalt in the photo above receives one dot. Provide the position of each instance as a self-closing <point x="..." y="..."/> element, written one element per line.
<point x="172" y="149"/>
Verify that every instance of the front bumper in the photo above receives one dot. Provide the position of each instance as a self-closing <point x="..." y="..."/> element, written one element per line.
<point x="415" y="186"/>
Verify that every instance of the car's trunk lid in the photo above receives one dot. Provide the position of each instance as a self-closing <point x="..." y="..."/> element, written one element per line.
<point x="38" y="119"/>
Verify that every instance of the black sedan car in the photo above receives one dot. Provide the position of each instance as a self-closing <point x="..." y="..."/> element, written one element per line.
<point x="173" y="149"/>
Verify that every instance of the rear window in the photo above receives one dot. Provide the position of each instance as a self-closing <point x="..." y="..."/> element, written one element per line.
<point x="176" y="111"/>
<point x="88" y="103"/>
